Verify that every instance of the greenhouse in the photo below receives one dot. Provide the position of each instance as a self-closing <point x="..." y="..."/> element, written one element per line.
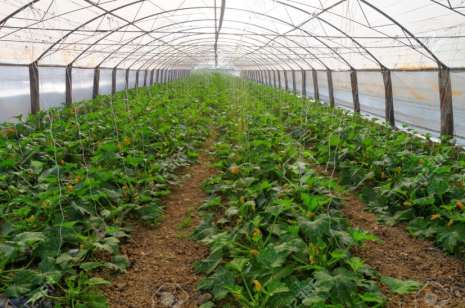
<point x="214" y="153"/>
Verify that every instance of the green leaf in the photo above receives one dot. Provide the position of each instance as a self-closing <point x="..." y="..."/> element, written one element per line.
<point x="401" y="287"/>
<point x="96" y="281"/>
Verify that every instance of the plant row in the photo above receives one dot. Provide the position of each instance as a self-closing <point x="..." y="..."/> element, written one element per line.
<point x="274" y="228"/>
<point x="402" y="177"/>
<point x="71" y="179"/>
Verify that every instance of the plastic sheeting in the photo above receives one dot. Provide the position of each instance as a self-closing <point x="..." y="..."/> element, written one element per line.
<point x="52" y="87"/>
<point x="323" y="89"/>
<point x="371" y="93"/>
<point x="342" y="90"/>
<point x="14" y="92"/>
<point x="294" y="34"/>
<point x="416" y="100"/>
<point x="120" y="80"/>
<point x="458" y="98"/>
<point x="83" y="84"/>
<point x="309" y="85"/>
<point x="132" y="79"/>
<point x="105" y="81"/>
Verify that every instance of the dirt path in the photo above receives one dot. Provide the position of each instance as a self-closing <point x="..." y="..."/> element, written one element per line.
<point x="162" y="257"/>
<point x="401" y="256"/>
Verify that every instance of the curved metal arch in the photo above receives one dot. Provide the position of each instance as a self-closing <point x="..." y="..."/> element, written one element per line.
<point x="200" y="20"/>
<point x="371" y="29"/>
<point x="287" y="47"/>
<point x="255" y="60"/>
<point x="128" y="22"/>
<point x="82" y="25"/>
<point x="439" y="62"/>
<point x="146" y="63"/>
<point x="119" y="48"/>
<point x="257" y="63"/>
<point x="340" y="31"/>
<point x="190" y="35"/>
<point x="299" y="28"/>
<point x="19" y="10"/>
<point x="282" y="45"/>
<point x="229" y="39"/>
<point x="166" y="62"/>
<point x="183" y="9"/>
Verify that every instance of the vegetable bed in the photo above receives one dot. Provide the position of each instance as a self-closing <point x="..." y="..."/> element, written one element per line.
<point x="275" y="232"/>
<point x="71" y="179"/>
<point x="402" y="177"/>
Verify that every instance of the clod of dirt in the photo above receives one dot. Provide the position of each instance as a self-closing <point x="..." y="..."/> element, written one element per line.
<point x="167" y="299"/>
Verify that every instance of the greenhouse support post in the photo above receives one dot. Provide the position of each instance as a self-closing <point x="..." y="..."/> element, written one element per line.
<point x="329" y="76"/>
<point x="354" y="85"/>
<point x="294" y="86"/>
<point x="137" y="79"/>
<point x="286" y="81"/>
<point x="389" y="98"/>
<point x="145" y="77"/>
<point x="34" y="87"/>
<point x="113" y="81"/>
<point x="157" y="76"/>
<point x="445" y="95"/>
<point x="304" y="83"/>
<point x="69" y="85"/>
<point x="151" y="77"/>
<point x="279" y="80"/>
<point x="274" y="78"/>
<point x="269" y="78"/>
<point x="126" y="79"/>
<point x="315" y="85"/>
<point x="95" y="90"/>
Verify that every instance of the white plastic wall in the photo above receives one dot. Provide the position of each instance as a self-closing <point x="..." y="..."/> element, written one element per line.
<point x="342" y="90"/>
<point x="52" y="87"/>
<point x="416" y="100"/>
<point x="298" y="82"/>
<point x="120" y="79"/>
<point x="83" y="83"/>
<point x="132" y="79"/>
<point x="371" y="93"/>
<point x="458" y="101"/>
<point x="309" y="84"/>
<point x="105" y="81"/>
<point x="323" y="86"/>
<point x="14" y="92"/>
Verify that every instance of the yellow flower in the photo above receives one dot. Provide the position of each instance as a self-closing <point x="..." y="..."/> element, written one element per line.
<point x="234" y="169"/>
<point x="31" y="219"/>
<point x="459" y="205"/>
<point x="435" y="216"/>
<point x="257" y="232"/>
<point x="257" y="285"/>
<point x="126" y="141"/>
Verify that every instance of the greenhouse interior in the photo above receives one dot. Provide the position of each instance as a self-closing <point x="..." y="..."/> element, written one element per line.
<point x="219" y="153"/>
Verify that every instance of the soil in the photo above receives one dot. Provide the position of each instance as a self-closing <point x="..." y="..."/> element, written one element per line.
<point x="401" y="256"/>
<point x="162" y="257"/>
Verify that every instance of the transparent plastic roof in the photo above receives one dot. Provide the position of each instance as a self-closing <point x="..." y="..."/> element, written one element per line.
<point x="244" y="34"/>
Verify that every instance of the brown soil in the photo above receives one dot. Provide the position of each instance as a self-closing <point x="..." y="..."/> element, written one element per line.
<point x="162" y="257"/>
<point x="399" y="255"/>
